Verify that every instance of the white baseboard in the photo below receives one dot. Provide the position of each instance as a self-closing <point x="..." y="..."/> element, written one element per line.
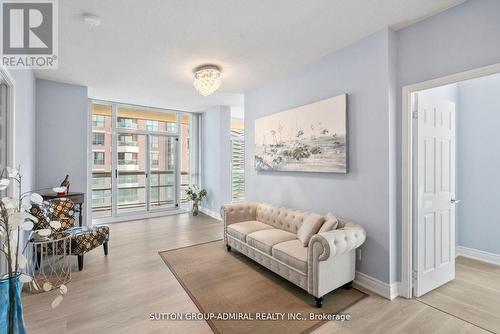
<point x="213" y="214"/>
<point x="386" y="290"/>
<point x="477" y="254"/>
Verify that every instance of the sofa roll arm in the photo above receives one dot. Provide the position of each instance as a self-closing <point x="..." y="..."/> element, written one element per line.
<point x="337" y="242"/>
<point x="239" y="212"/>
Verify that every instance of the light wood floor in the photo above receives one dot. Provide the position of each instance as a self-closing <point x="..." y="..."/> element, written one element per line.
<point x="474" y="294"/>
<point x="115" y="294"/>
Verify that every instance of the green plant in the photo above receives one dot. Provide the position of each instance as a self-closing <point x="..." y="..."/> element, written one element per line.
<point x="195" y="194"/>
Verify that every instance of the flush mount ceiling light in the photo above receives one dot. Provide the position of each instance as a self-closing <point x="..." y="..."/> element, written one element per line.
<point x="207" y="79"/>
<point x="91" y="20"/>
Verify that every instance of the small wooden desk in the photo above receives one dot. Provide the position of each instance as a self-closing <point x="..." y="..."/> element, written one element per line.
<point x="77" y="198"/>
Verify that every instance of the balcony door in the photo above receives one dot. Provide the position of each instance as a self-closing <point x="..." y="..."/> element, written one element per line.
<point x="141" y="161"/>
<point x="146" y="173"/>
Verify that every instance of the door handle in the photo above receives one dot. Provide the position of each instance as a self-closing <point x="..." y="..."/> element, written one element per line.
<point x="454" y="201"/>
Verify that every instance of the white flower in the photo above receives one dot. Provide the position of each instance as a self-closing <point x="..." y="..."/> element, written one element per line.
<point x="57" y="301"/>
<point x="27" y="225"/>
<point x="18" y="218"/>
<point x="63" y="289"/>
<point x="4" y="183"/>
<point x="21" y="261"/>
<point x="25" y="278"/>
<point x="12" y="172"/>
<point x="55" y="224"/>
<point x="36" y="198"/>
<point x="9" y="203"/>
<point x="44" y="232"/>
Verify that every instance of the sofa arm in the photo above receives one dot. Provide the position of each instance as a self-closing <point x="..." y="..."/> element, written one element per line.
<point x="324" y="253"/>
<point x="337" y="242"/>
<point x="236" y="213"/>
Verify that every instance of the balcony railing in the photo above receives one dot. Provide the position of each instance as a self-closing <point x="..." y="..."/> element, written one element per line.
<point x="128" y="143"/>
<point x="127" y="162"/>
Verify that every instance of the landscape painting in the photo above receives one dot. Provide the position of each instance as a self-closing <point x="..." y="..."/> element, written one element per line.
<point x="310" y="138"/>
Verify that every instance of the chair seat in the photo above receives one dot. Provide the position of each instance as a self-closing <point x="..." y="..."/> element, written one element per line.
<point x="292" y="253"/>
<point x="264" y="240"/>
<point x="241" y="230"/>
<point x="86" y="238"/>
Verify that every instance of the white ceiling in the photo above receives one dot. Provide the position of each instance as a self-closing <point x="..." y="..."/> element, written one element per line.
<point x="144" y="51"/>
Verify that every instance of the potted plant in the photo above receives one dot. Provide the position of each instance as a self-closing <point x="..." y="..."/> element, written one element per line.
<point x="195" y="194"/>
<point x="14" y="221"/>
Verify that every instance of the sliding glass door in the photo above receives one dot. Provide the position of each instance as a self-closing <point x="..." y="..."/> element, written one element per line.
<point x="138" y="154"/>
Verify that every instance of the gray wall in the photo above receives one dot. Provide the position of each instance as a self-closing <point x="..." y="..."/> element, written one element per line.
<point x="478" y="164"/>
<point x="373" y="73"/>
<point x="362" y="71"/>
<point x="216" y="157"/>
<point x="25" y="129"/>
<point x="459" y="39"/>
<point x="62" y="135"/>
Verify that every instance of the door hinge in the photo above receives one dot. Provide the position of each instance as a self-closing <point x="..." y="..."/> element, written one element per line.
<point x="414" y="275"/>
<point x="414" y="114"/>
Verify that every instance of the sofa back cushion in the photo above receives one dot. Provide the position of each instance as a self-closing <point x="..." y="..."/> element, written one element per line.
<point x="309" y="227"/>
<point x="283" y="218"/>
<point x="331" y="223"/>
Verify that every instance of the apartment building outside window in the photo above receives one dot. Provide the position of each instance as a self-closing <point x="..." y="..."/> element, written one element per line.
<point x="98" y="158"/>
<point x="98" y="121"/>
<point x="98" y="138"/>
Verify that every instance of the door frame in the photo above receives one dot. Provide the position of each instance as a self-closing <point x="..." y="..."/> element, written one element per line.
<point x="407" y="159"/>
<point x="6" y="78"/>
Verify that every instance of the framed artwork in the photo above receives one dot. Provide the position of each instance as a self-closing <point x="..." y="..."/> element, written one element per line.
<point x="310" y="138"/>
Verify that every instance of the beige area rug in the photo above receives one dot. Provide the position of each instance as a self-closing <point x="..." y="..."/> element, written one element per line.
<point x="473" y="296"/>
<point x="219" y="281"/>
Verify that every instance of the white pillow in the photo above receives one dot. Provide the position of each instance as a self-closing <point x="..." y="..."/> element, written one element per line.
<point x="309" y="227"/>
<point x="331" y="223"/>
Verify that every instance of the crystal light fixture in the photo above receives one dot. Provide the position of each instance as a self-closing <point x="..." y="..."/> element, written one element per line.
<point x="207" y="79"/>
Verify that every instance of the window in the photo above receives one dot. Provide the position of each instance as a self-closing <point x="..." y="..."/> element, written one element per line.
<point x="154" y="159"/>
<point x="127" y="158"/>
<point x="127" y="123"/>
<point x="98" y="121"/>
<point x="128" y="195"/>
<point x="128" y="179"/>
<point x="101" y="199"/>
<point x="152" y="125"/>
<point x="127" y="140"/>
<point x="154" y="143"/>
<point x="98" y="158"/>
<point x="237" y="164"/>
<point x="171" y="127"/>
<point x="98" y="138"/>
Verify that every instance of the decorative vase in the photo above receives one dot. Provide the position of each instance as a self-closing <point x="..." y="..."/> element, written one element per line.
<point x="17" y="306"/>
<point x="195" y="208"/>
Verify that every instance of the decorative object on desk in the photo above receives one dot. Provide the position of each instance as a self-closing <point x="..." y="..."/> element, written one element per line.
<point x="65" y="183"/>
<point x="60" y="191"/>
<point x="195" y="195"/>
<point x="310" y="138"/>
<point x="14" y="219"/>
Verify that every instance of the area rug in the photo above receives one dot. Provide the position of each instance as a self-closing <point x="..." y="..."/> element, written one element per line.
<point x="226" y="284"/>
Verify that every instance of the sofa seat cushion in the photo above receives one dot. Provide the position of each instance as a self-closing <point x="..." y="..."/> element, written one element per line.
<point x="264" y="240"/>
<point x="241" y="230"/>
<point x="292" y="253"/>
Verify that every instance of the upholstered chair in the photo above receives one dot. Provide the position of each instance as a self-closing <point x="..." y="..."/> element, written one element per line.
<point x="83" y="238"/>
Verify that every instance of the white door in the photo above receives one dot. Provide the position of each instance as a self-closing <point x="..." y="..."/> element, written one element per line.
<point x="435" y="212"/>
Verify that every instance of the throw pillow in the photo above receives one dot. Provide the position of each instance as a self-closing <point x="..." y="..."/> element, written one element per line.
<point x="331" y="223"/>
<point x="309" y="227"/>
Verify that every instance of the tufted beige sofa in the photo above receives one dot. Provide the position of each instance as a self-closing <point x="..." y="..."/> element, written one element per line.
<point x="268" y="235"/>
